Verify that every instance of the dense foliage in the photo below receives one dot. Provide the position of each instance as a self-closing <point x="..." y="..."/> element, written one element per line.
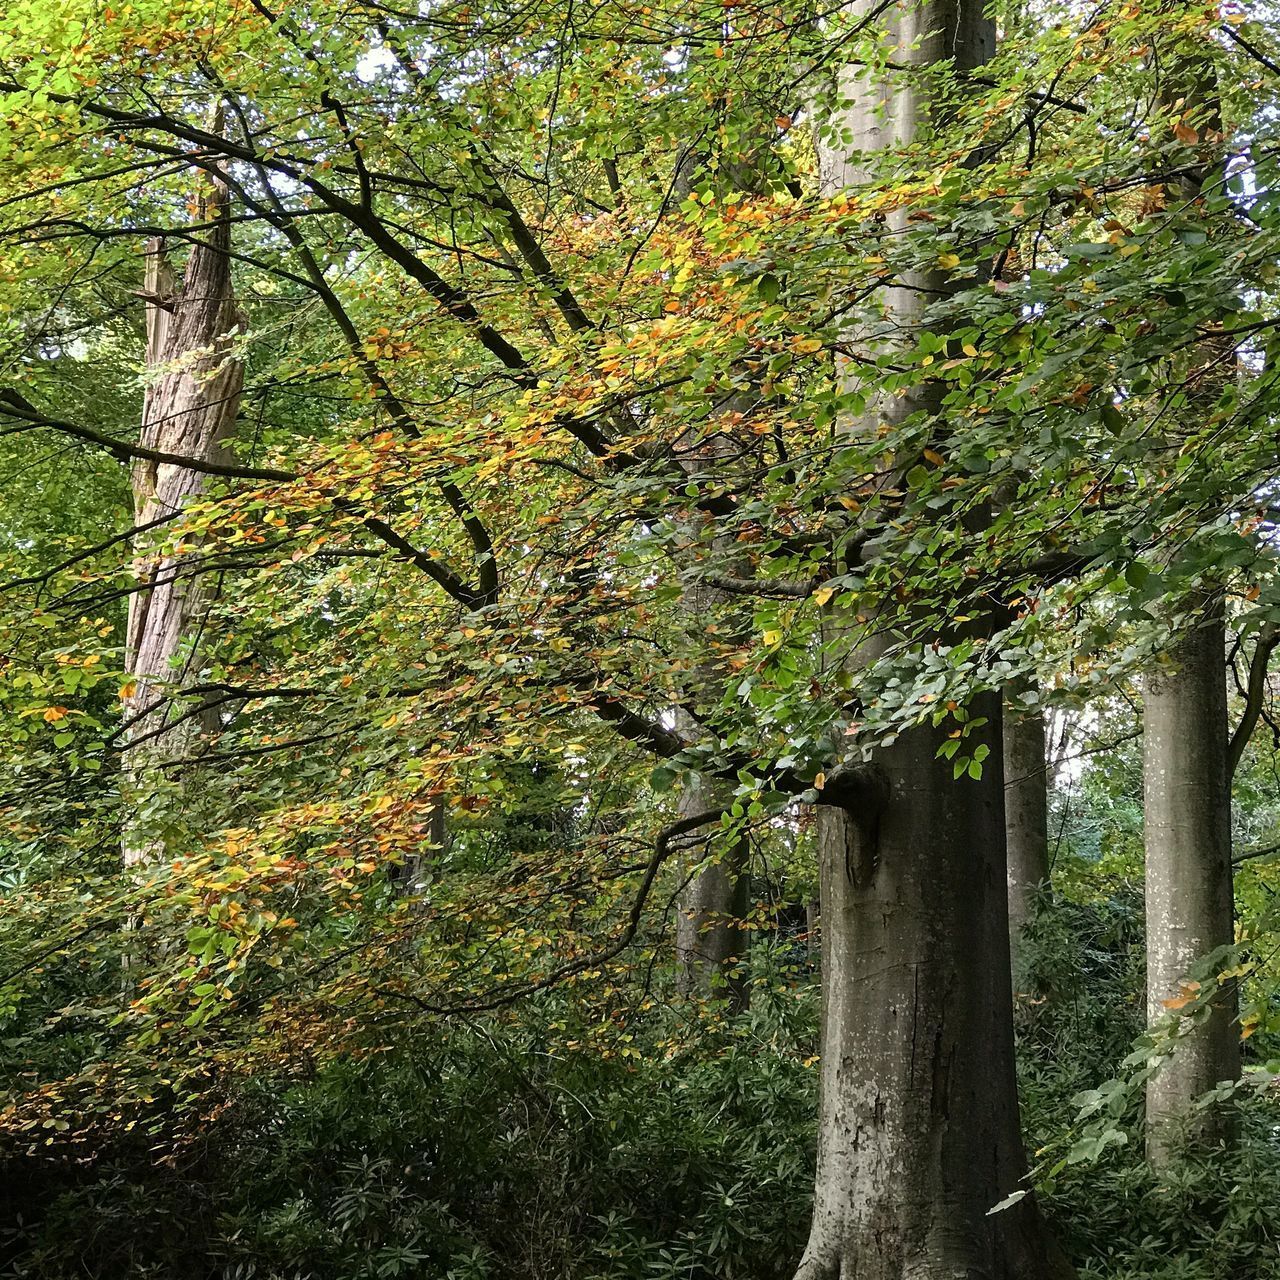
<point x="543" y="570"/>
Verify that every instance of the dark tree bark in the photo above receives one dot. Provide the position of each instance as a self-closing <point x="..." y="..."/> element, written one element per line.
<point x="710" y="939"/>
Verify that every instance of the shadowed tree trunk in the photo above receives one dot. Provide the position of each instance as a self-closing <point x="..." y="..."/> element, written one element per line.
<point x="1189" y="899"/>
<point x="713" y="904"/>
<point x="1026" y="802"/>
<point x="710" y="939"/>
<point x="918" y="1122"/>
<point x="189" y="411"/>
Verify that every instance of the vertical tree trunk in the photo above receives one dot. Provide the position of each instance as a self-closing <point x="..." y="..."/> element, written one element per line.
<point x="1026" y="803"/>
<point x="918" y="1124"/>
<point x="1189" y="899"/>
<point x="710" y="939"/>
<point x="919" y="1115"/>
<point x="1186" y="771"/>
<point x="189" y="410"/>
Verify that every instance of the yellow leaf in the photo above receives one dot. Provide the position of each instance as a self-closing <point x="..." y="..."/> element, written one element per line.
<point x="128" y="690"/>
<point x="820" y="781"/>
<point x="969" y="349"/>
<point x="932" y="455"/>
<point x="807" y="346"/>
<point x="948" y="261"/>
<point x="823" y="594"/>
<point x="772" y="637"/>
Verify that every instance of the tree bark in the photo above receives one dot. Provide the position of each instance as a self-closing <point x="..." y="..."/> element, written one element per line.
<point x="710" y="940"/>
<point x="918" y="1130"/>
<point x="1026" y="815"/>
<point x="189" y="410"/>
<point x="1189" y="890"/>
<point x="918" y="1121"/>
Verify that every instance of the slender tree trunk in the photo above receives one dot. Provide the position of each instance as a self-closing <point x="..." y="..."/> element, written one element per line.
<point x="1026" y="803"/>
<point x="710" y="939"/>
<point x="1186" y="770"/>
<point x="189" y="410"/>
<point x="918" y="1123"/>
<point x="1189" y="898"/>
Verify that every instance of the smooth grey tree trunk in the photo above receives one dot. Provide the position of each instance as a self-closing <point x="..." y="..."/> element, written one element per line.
<point x="1026" y="802"/>
<point x="918" y="1121"/>
<point x="918" y="1133"/>
<point x="1189" y="891"/>
<point x="189" y="411"/>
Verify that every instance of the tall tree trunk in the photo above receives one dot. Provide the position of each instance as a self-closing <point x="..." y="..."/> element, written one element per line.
<point x="919" y="1132"/>
<point x="1186" y="771"/>
<point x="1189" y="898"/>
<point x="1026" y="803"/>
<point x="189" y="411"/>
<point x="710" y="938"/>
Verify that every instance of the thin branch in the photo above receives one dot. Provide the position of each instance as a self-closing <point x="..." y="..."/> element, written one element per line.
<point x="1255" y="692"/>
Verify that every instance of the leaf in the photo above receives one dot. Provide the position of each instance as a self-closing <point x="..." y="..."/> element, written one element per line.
<point x="1008" y="1202"/>
<point x="948" y="261"/>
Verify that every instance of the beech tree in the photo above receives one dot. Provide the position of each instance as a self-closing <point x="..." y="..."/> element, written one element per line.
<point x="573" y="461"/>
<point x="1026" y="813"/>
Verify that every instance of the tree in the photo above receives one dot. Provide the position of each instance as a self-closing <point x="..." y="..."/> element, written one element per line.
<point x="189" y="417"/>
<point x="918" y="1136"/>
<point x="1026" y="814"/>
<point x="1189" y="900"/>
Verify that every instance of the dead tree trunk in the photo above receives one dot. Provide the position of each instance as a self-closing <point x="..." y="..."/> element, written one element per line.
<point x="189" y="411"/>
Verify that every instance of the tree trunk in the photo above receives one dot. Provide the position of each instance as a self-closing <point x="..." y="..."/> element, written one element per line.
<point x="919" y="1115"/>
<point x="710" y="940"/>
<point x="918" y="1123"/>
<point x="1189" y="898"/>
<point x="189" y="410"/>
<point x="1026" y="814"/>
